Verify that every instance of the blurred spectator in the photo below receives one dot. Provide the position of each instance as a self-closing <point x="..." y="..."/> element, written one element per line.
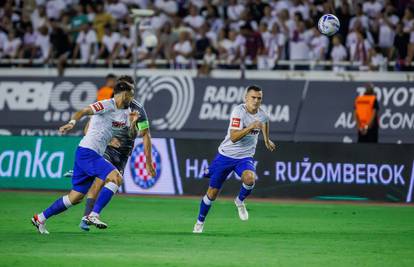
<point x="372" y="8"/>
<point x="87" y="44"/>
<point x="107" y="91"/>
<point x="338" y="53"/>
<point x="39" y="18"/>
<point x="60" y="49"/>
<point x="202" y="43"/>
<point x="183" y="51"/>
<point x="126" y="44"/>
<point x="11" y="45"/>
<point x="359" y="17"/>
<point x="110" y="44"/>
<point x="194" y="20"/>
<point x="386" y="23"/>
<point x="377" y="60"/>
<point x="366" y="116"/>
<point x="399" y="49"/>
<point x="209" y="62"/>
<point x="28" y="49"/>
<point x="54" y="8"/>
<point x="102" y="19"/>
<point x="43" y="43"/>
<point x="318" y="45"/>
<point x="253" y="44"/>
<point x="78" y="21"/>
<point x="359" y="50"/>
<point x="274" y="44"/>
<point x="117" y="9"/>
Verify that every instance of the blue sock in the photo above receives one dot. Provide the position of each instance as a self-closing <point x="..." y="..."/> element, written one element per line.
<point x="90" y="202"/>
<point x="104" y="197"/>
<point x="245" y="191"/>
<point x="57" y="207"/>
<point x="205" y="206"/>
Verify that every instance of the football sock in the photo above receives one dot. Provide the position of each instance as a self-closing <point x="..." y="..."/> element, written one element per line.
<point x="104" y="197"/>
<point x="57" y="207"/>
<point x="90" y="202"/>
<point x="205" y="206"/>
<point x="245" y="191"/>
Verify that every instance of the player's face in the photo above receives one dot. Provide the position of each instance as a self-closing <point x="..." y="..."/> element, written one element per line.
<point x="253" y="100"/>
<point x="128" y="97"/>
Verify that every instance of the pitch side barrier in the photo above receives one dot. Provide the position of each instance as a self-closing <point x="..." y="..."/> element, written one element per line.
<point x="378" y="172"/>
<point x="185" y="106"/>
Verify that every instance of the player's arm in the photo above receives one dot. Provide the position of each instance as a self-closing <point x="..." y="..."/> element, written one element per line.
<point x="236" y="135"/>
<point x="268" y="143"/>
<point x="75" y="118"/>
<point x="146" y="138"/>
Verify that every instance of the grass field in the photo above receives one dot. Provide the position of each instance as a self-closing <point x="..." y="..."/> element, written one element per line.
<point x="148" y="231"/>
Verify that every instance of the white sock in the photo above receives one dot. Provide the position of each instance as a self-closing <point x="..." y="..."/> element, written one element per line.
<point x="200" y="222"/>
<point x="238" y="200"/>
<point x="94" y="214"/>
<point x="41" y="217"/>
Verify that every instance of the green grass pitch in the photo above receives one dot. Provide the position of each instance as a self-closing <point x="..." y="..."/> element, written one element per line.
<point x="150" y="231"/>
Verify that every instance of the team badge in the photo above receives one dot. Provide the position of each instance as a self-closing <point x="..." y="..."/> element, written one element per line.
<point x="138" y="165"/>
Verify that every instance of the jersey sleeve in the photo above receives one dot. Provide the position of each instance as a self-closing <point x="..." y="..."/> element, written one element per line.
<point x="236" y="122"/>
<point x="102" y="106"/>
<point x="142" y="123"/>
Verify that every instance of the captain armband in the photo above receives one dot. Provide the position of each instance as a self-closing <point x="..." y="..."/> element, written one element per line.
<point x="142" y="125"/>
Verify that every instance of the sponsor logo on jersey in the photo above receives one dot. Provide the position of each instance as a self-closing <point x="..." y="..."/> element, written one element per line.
<point x="97" y="106"/>
<point x="235" y="122"/>
<point x="118" y="124"/>
<point x="138" y="166"/>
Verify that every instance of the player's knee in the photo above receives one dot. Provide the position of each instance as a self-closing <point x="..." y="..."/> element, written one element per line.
<point x="116" y="179"/>
<point x="249" y="178"/>
<point x="212" y="193"/>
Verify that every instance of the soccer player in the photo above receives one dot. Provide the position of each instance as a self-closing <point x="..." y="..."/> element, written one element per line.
<point x="236" y="152"/>
<point x="89" y="162"/>
<point x="118" y="151"/>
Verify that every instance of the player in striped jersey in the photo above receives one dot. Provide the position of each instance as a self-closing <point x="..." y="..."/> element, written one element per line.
<point x="236" y="154"/>
<point x="119" y="150"/>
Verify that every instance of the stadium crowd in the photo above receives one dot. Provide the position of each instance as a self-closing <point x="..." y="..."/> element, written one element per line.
<point x="216" y="32"/>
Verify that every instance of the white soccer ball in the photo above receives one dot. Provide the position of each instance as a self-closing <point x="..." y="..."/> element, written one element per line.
<point x="328" y="24"/>
<point x="150" y="41"/>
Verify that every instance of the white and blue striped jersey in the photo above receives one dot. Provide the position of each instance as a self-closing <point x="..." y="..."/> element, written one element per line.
<point x="245" y="147"/>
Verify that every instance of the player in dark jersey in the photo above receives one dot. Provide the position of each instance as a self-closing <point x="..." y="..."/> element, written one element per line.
<point x="119" y="150"/>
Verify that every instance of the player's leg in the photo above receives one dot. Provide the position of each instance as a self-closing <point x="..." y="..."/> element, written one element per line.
<point x="90" y="202"/>
<point x="81" y="182"/>
<point x="218" y="171"/>
<point x="112" y="182"/>
<point x="246" y="170"/>
<point x="59" y="206"/>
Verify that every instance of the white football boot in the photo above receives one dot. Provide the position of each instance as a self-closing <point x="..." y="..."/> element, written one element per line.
<point x="94" y="220"/>
<point x="241" y="208"/>
<point x="41" y="227"/>
<point x="198" y="227"/>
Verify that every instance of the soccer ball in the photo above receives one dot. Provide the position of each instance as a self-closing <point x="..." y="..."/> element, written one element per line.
<point x="328" y="24"/>
<point x="150" y="41"/>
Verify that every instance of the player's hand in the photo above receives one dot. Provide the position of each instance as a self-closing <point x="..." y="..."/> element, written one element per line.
<point x="133" y="117"/>
<point x="66" y="128"/>
<point x="270" y="145"/>
<point x="115" y="142"/>
<point x="256" y="125"/>
<point x="151" y="170"/>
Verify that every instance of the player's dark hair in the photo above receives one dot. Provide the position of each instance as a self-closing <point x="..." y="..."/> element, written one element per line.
<point x="254" y="88"/>
<point x="126" y="78"/>
<point x="123" y="86"/>
<point x="110" y="76"/>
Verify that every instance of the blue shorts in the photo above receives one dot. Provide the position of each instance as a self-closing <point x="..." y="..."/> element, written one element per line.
<point x="222" y="166"/>
<point x="88" y="165"/>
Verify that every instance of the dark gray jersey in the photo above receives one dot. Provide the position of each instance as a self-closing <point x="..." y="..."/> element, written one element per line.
<point x="123" y="134"/>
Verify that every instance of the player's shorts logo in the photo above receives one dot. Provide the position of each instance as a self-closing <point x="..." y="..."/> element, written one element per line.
<point x="181" y="89"/>
<point x="138" y="165"/>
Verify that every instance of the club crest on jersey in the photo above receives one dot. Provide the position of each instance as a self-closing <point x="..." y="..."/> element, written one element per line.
<point x="138" y="164"/>
<point x="235" y="122"/>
